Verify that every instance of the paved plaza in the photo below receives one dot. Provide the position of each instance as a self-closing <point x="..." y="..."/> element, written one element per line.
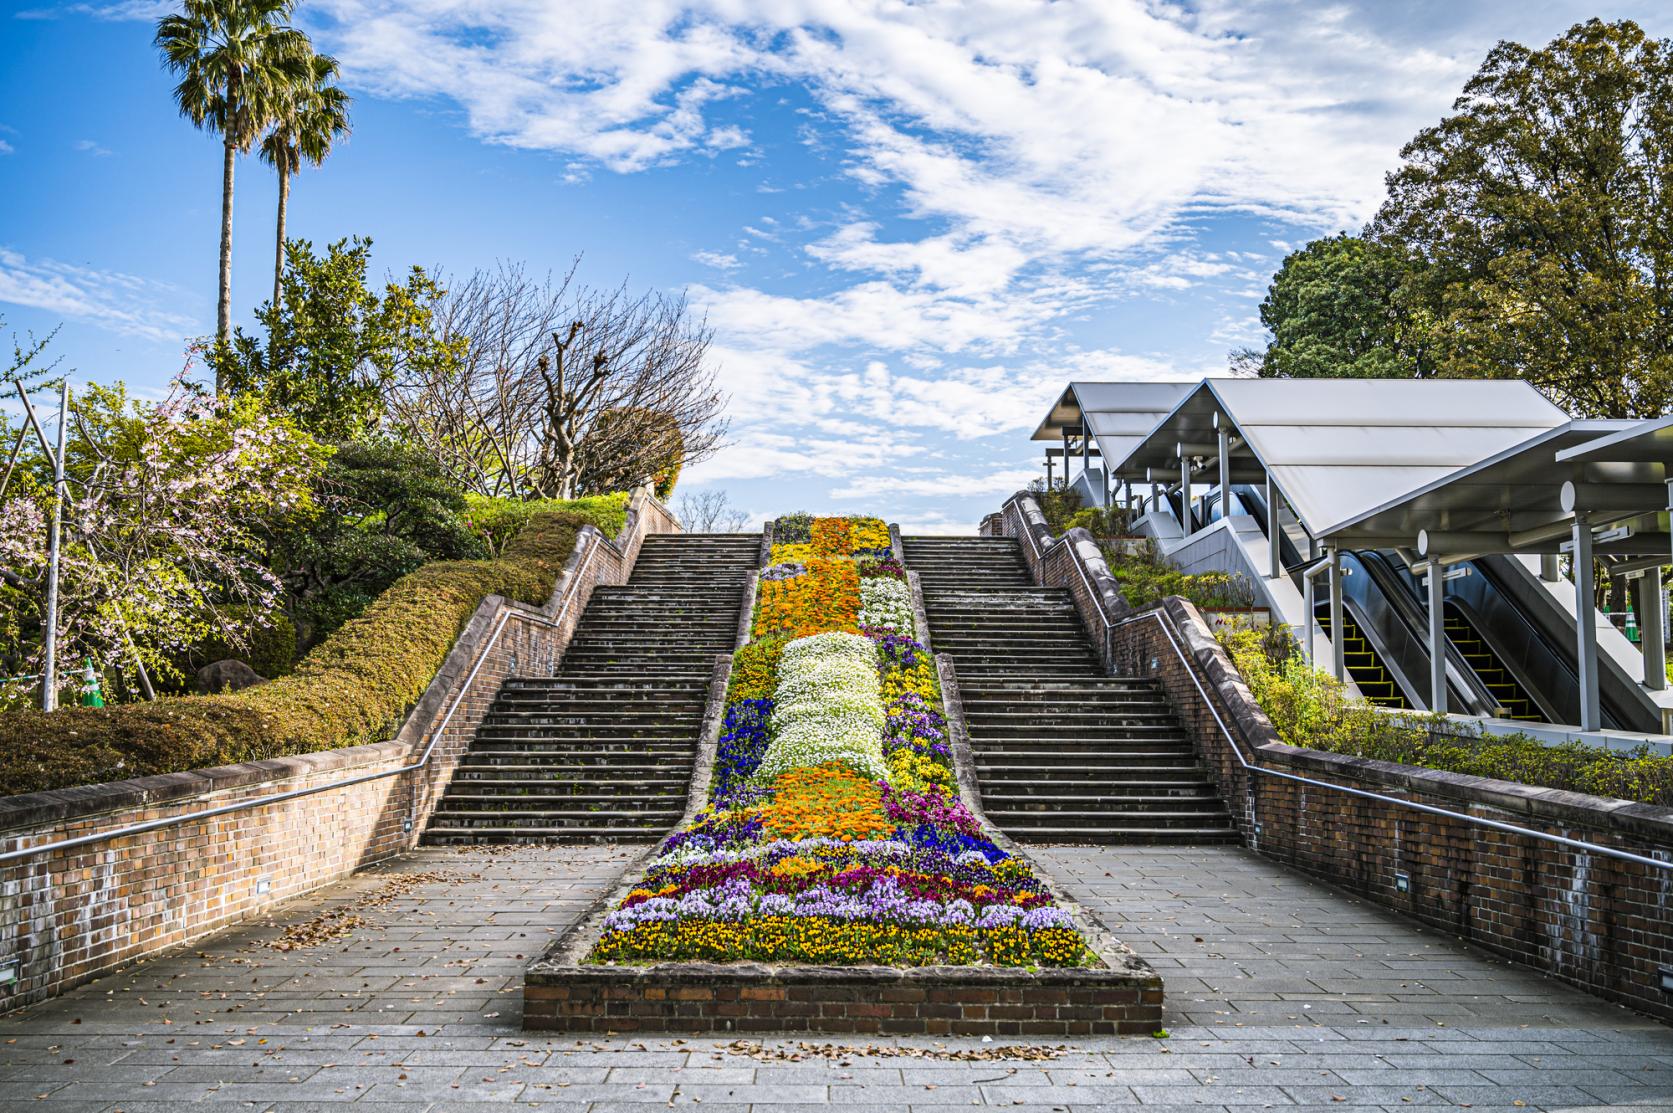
<point x="399" y="991"/>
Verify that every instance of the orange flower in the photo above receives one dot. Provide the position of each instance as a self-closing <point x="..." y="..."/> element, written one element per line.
<point x="826" y="801"/>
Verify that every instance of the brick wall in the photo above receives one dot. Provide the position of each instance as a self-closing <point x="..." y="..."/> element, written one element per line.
<point x="1597" y="922"/>
<point x="70" y="914"/>
<point x="871" y="1000"/>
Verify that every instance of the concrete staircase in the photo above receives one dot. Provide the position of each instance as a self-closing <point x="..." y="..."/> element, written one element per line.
<point x="603" y="751"/>
<point x="1063" y="753"/>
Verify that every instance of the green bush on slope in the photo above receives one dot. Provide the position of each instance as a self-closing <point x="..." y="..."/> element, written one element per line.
<point x="352" y="688"/>
<point x="1309" y="709"/>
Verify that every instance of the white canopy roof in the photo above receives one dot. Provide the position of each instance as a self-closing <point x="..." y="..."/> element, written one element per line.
<point x="1118" y="413"/>
<point x="1340" y="447"/>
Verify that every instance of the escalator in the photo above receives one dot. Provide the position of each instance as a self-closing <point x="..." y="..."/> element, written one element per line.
<point x="1510" y="649"/>
<point x="1512" y="699"/>
<point x="1360" y="660"/>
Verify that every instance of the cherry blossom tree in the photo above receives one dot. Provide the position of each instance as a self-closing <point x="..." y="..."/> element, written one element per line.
<point x="163" y="529"/>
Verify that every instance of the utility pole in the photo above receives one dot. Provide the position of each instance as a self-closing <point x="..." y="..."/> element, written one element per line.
<point x="49" y="633"/>
<point x="49" y="669"/>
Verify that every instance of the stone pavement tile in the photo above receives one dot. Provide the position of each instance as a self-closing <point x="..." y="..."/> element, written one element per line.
<point x="1537" y="1096"/>
<point x="31" y="1105"/>
<point x="1391" y="1094"/>
<point x="1102" y="1095"/>
<point x="1611" y="1094"/>
<point x="543" y="1105"/>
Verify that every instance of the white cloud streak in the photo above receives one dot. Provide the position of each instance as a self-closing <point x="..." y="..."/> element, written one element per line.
<point x="121" y="303"/>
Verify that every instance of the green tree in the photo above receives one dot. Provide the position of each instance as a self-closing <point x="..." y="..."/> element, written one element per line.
<point x="386" y="509"/>
<point x="236" y="59"/>
<point x="333" y="345"/>
<point x="1336" y="309"/>
<point x="1541" y="212"/>
<point x="310" y="117"/>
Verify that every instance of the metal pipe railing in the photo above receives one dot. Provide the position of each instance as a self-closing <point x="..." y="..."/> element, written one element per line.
<point x="1428" y="809"/>
<point x="280" y="797"/>
<point x="1364" y="794"/>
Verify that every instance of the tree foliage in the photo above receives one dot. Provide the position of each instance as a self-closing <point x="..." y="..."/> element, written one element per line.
<point x="1335" y="310"/>
<point x="162" y="535"/>
<point x="334" y="346"/>
<point x="383" y="510"/>
<point x="1528" y="235"/>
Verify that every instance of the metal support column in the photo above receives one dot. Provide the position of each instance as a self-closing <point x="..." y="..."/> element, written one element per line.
<point x="1585" y="622"/>
<point x="1185" y="515"/>
<point x="1274" y="536"/>
<point x="1065" y="456"/>
<point x="1437" y="637"/>
<point x="1549" y="570"/>
<point x="1085" y="455"/>
<point x="1225" y="450"/>
<point x="1309" y="609"/>
<point x="1652" y="640"/>
<point x="1338" y="660"/>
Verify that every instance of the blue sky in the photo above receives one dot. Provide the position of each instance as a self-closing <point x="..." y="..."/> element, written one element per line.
<point x="908" y="224"/>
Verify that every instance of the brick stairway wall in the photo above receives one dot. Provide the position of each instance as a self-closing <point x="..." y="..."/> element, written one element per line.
<point x="1600" y="923"/>
<point x="69" y="915"/>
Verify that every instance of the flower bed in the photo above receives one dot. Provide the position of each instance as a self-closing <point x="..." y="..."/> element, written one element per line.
<point x="834" y="833"/>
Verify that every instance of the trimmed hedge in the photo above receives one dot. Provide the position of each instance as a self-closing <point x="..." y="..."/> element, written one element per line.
<point x="1310" y="709"/>
<point x="496" y="521"/>
<point x="351" y="689"/>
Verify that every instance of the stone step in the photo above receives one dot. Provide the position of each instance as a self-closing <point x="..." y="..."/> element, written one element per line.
<point x="465" y="836"/>
<point x="1016" y="792"/>
<point x="557" y="818"/>
<point x="515" y="799"/>
<point x="1135" y="834"/>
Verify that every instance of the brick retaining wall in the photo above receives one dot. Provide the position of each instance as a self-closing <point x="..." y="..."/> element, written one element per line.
<point x="1600" y="923"/>
<point x="68" y="915"/>
<point x="869" y="1000"/>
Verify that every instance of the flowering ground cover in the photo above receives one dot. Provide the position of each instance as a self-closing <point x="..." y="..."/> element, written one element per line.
<point x="834" y="832"/>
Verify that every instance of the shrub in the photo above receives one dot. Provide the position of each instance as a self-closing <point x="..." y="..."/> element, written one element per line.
<point x="1058" y="503"/>
<point x="1146" y="578"/>
<point x="352" y="688"/>
<point x="271" y="648"/>
<point x="793" y="529"/>
<point x="1309" y="709"/>
<point x="1108" y="521"/>
<point x="497" y="521"/>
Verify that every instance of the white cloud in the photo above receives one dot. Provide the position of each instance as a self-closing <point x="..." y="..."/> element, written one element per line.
<point x="90" y="147"/>
<point x="941" y="484"/>
<point x="1009" y="172"/>
<point x="5" y="147"/>
<point x="716" y="259"/>
<point x="122" y="303"/>
<point x="129" y="10"/>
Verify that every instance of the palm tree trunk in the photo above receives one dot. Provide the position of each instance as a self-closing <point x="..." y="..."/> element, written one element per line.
<point x="279" y="246"/>
<point x="223" y="312"/>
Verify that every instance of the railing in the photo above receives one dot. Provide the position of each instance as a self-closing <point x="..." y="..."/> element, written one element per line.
<point x="436" y="733"/>
<point x="1265" y="771"/>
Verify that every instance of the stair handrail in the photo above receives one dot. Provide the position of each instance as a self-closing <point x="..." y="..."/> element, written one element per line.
<point x="588" y="533"/>
<point x="1024" y="502"/>
<point x="1365" y="794"/>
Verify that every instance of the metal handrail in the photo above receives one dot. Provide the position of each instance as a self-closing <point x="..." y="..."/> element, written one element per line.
<point x="348" y="782"/>
<point x="1478" y="821"/>
<point x="1248" y="766"/>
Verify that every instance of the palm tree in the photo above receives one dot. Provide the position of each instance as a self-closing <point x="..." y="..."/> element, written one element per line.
<point x="311" y="116"/>
<point x="235" y="59"/>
